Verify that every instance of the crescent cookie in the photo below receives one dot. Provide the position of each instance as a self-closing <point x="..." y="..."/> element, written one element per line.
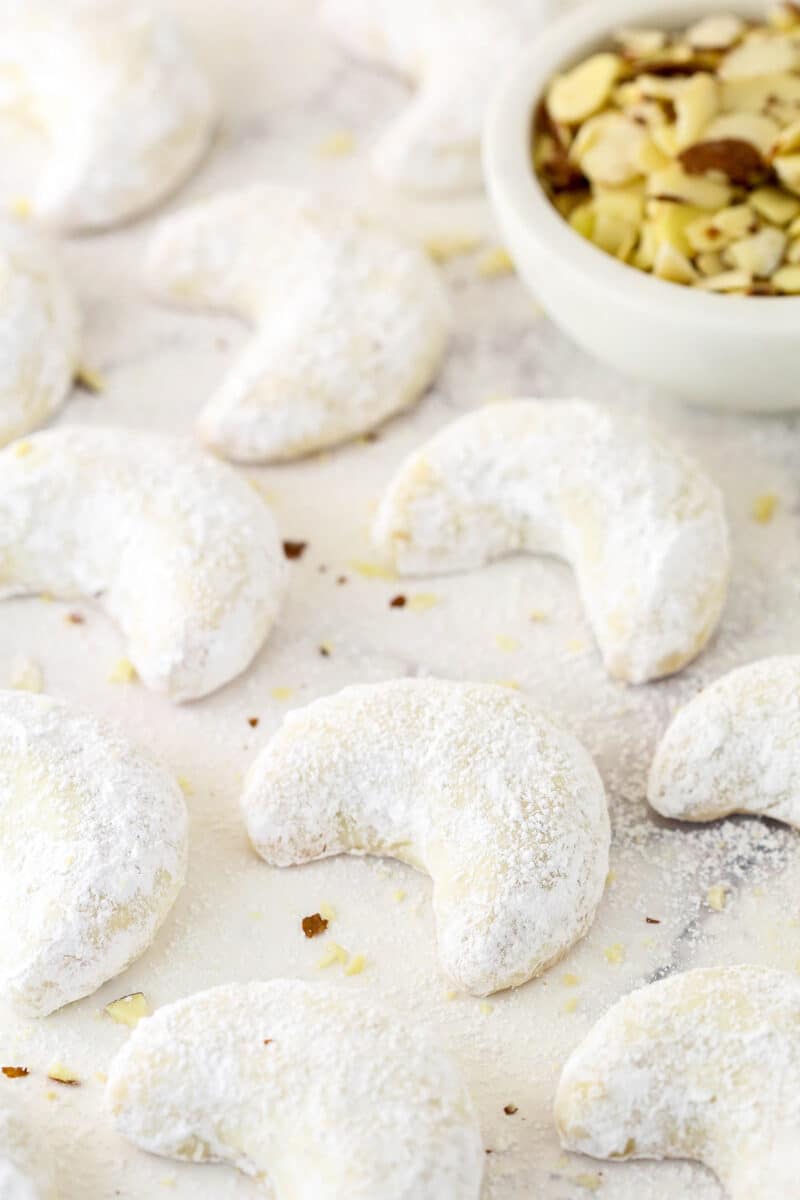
<point x="350" y="322"/>
<point x="641" y="525"/>
<point x="505" y="811"/>
<point x="39" y="332"/>
<point x="304" y="1087"/>
<point x="126" y="109"/>
<point x="734" y="748"/>
<point x="453" y="51"/>
<point x="23" y="1174"/>
<point x="183" y="552"/>
<point x="703" y="1065"/>
<point x="94" y="835"/>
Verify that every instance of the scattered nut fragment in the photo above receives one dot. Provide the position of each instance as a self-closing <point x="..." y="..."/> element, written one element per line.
<point x="123" y="671"/>
<point x="764" y="507"/>
<point x="294" y="550"/>
<point x="15" y="1072"/>
<point x="716" y="897"/>
<point x="583" y="90"/>
<point x="27" y="675"/>
<point x="678" y="153"/>
<point x="61" y="1074"/>
<point x="314" y="925"/>
<point x="128" y="1010"/>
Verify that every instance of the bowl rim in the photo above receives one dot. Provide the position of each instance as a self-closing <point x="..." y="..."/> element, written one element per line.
<point x="513" y="183"/>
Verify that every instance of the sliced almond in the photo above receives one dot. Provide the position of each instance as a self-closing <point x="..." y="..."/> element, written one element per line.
<point x="759" y="131"/>
<point x="789" y="138"/>
<point x="695" y="106"/>
<point x="784" y="16"/>
<point x="614" y="234"/>
<point x="787" y="167"/>
<point x="606" y="147"/>
<point x="626" y="203"/>
<point x="759" y="255"/>
<point x="710" y="263"/>
<point x="665" y="140"/>
<point x="672" y="265"/>
<point x="728" y="281"/>
<point x="787" y="280"/>
<point x="766" y="56"/>
<point x="774" y="205"/>
<point x="582" y="220"/>
<point x="640" y="43"/>
<point x="645" y="254"/>
<point x="793" y="253"/>
<point x="583" y="90"/>
<point x="777" y="96"/>
<point x="715" y="232"/>
<point x="670" y="223"/>
<point x="716" y="32"/>
<point x="675" y="183"/>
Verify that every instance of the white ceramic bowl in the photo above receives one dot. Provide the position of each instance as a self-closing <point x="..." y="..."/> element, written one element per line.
<point x="739" y="352"/>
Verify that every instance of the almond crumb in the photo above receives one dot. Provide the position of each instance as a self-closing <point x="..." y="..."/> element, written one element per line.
<point x="422" y="601"/>
<point x="503" y="642"/>
<point x="89" y="380"/>
<point x="328" y="912"/>
<point x="337" y="144"/>
<point x="570" y="980"/>
<point x="615" y="954"/>
<point x="23" y="449"/>
<point x="20" y="207"/>
<point x="185" y="785"/>
<point x="128" y="1010"/>
<point x="123" y="671"/>
<point x="281" y="693"/>
<point x="764" y="507"/>
<point x="717" y="897"/>
<point x="356" y="965"/>
<point x="61" y="1074"/>
<point x="398" y="896"/>
<point x="314" y="925"/>
<point x="571" y="1005"/>
<point x="370" y="570"/>
<point x="444" y="247"/>
<point x="494" y="263"/>
<point x="334" y="953"/>
<point x="27" y="676"/>
<point x="486" y="1008"/>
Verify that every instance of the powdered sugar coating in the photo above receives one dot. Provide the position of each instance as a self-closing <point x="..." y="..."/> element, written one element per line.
<point x="308" y="1089"/>
<point x="39" y="332"/>
<point x="642" y="526"/>
<point x="703" y="1065"/>
<point x="183" y="553"/>
<point x="734" y="748"/>
<point x="503" y="810"/>
<point x="94" y="838"/>
<point x="454" y="51"/>
<point x="351" y="323"/>
<point x="23" y="1170"/>
<point x="126" y="108"/>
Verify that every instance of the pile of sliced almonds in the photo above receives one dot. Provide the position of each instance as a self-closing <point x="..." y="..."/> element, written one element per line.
<point x="679" y="153"/>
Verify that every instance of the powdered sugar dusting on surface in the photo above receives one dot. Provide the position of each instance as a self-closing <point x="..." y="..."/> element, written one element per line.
<point x="238" y="919"/>
<point x="505" y="811"/>
<point x="309" y="1090"/>
<point x="94" y="840"/>
<point x="351" y="322"/>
